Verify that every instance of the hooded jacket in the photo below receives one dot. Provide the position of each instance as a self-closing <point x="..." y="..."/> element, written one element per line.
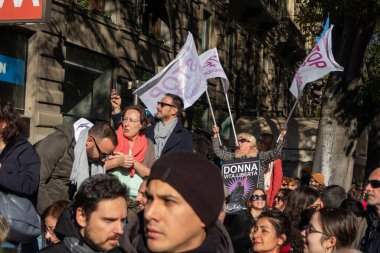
<point x="68" y="229"/>
<point x="56" y="152"/>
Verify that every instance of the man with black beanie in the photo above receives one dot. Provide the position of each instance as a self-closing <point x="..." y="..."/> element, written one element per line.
<point x="185" y="196"/>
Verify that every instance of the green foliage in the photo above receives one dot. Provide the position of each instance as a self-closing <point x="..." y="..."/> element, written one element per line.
<point x="83" y="4"/>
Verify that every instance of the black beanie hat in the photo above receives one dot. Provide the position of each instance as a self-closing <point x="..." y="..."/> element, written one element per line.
<point x="198" y="180"/>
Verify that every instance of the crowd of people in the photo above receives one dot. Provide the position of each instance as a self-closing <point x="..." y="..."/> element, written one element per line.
<point x="136" y="185"/>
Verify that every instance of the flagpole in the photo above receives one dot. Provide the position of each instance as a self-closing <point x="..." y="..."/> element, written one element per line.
<point x="213" y="116"/>
<point x="232" y="120"/>
<point x="290" y="114"/>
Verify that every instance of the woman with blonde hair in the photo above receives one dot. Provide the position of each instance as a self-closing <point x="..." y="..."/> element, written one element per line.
<point x="248" y="149"/>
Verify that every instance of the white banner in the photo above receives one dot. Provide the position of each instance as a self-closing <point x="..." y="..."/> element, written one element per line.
<point x="212" y="68"/>
<point x="318" y="63"/>
<point x="181" y="77"/>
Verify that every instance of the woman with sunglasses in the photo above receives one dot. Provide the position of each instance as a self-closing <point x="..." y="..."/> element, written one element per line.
<point x="281" y="199"/>
<point x="134" y="154"/>
<point x="243" y="221"/>
<point x="248" y="149"/>
<point x="330" y="230"/>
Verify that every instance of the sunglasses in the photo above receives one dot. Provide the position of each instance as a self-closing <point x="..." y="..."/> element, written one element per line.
<point x="102" y="155"/>
<point x="278" y="198"/>
<point x="257" y="197"/>
<point x="373" y="183"/>
<point x="162" y="104"/>
<point x="243" y="140"/>
<point x="284" y="185"/>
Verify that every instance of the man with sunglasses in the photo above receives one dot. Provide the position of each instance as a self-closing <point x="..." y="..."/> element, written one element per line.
<point x="166" y="131"/>
<point x="371" y="240"/>
<point x="70" y="155"/>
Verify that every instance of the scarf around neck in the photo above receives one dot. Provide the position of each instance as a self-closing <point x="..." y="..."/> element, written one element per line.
<point x="81" y="170"/>
<point x="161" y="135"/>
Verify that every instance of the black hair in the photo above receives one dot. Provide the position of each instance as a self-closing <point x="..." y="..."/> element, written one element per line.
<point x="102" y="131"/>
<point x="333" y="195"/>
<point x="15" y="126"/>
<point x="97" y="188"/>
<point x="177" y="101"/>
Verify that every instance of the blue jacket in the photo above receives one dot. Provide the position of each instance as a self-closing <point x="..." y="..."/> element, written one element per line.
<point x="20" y="169"/>
<point x="179" y="139"/>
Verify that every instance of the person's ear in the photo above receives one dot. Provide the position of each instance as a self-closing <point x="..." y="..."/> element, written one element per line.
<point x="89" y="141"/>
<point x="80" y="217"/>
<point x="330" y="243"/>
<point x="281" y="240"/>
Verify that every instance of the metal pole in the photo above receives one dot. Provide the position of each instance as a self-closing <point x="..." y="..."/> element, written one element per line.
<point x="232" y="120"/>
<point x="213" y="116"/>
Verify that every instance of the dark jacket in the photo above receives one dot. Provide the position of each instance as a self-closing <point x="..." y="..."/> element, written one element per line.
<point x="67" y="227"/>
<point x="371" y="240"/>
<point x="217" y="241"/>
<point x="20" y="169"/>
<point x="240" y="228"/>
<point x="56" y="152"/>
<point x="180" y="138"/>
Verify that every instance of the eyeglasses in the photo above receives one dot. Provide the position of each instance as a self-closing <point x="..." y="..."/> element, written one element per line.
<point x="257" y="197"/>
<point x="278" y="198"/>
<point x="310" y="230"/>
<point x="131" y="121"/>
<point x="284" y="184"/>
<point x="373" y="183"/>
<point x="102" y="155"/>
<point x="243" y="140"/>
<point x="162" y="104"/>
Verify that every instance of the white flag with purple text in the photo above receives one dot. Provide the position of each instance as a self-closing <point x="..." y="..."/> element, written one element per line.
<point x="211" y="67"/>
<point x="317" y="64"/>
<point x="181" y="77"/>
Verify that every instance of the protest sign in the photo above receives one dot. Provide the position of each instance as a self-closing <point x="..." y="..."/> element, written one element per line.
<point x="240" y="176"/>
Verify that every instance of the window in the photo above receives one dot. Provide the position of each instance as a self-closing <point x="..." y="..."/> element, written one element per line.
<point x="155" y="20"/>
<point x="206" y="30"/>
<point x="13" y="58"/>
<point x="87" y="86"/>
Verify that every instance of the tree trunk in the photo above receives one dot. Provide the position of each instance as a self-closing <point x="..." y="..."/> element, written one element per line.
<point x="342" y="121"/>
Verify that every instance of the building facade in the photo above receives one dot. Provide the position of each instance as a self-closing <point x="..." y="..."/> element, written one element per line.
<point x="88" y="47"/>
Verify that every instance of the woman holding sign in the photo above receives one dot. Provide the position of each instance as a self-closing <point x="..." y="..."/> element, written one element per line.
<point x="248" y="149"/>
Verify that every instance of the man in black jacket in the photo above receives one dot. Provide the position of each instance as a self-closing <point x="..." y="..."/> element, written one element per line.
<point x="95" y="220"/>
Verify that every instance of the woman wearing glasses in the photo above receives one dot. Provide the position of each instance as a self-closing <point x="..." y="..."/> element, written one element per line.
<point x="248" y="149"/>
<point x="329" y="230"/>
<point x="134" y="154"/>
<point x="243" y="221"/>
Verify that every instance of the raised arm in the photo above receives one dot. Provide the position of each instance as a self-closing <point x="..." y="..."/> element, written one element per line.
<point x="271" y="155"/>
<point x="221" y="154"/>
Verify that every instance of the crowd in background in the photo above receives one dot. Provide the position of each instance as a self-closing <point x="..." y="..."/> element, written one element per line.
<point x="63" y="176"/>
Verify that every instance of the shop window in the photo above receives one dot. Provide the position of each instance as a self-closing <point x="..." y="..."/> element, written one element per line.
<point x="87" y="86"/>
<point x="206" y="30"/>
<point x="13" y="62"/>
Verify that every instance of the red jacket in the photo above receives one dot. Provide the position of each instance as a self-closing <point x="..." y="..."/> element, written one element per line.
<point x="275" y="182"/>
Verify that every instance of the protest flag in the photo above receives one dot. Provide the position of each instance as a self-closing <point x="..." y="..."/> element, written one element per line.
<point x="325" y="28"/>
<point x="181" y="77"/>
<point x="317" y="64"/>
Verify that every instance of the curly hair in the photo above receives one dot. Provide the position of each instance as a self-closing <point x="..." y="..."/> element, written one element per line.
<point x="14" y="125"/>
